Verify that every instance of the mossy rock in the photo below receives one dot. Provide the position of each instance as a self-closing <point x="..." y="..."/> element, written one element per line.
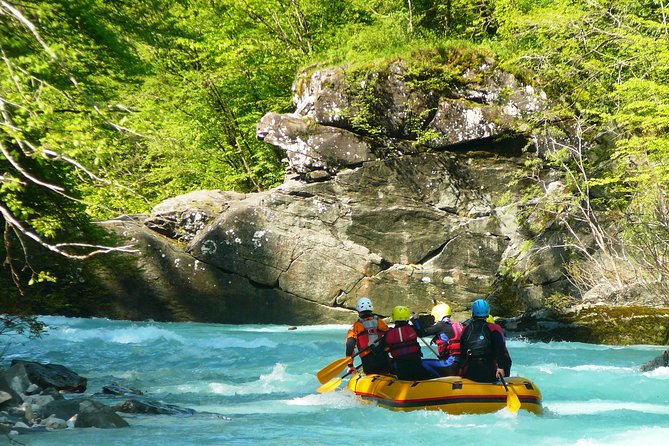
<point x="613" y="325"/>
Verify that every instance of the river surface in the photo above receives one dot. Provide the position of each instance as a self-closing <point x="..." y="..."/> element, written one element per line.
<point x="255" y="385"/>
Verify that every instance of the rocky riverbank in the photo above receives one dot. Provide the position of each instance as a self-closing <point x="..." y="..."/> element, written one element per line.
<point x="38" y="397"/>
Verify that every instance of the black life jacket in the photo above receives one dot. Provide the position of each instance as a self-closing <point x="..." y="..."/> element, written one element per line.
<point x="478" y="342"/>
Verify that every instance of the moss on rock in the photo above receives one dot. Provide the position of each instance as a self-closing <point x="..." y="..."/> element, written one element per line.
<point x="622" y="325"/>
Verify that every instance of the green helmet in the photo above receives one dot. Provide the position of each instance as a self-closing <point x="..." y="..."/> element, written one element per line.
<point x="401" y="313"/>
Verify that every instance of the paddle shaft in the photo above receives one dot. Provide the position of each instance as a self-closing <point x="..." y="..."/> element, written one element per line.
<point x="334" y="383"/>
<point x="430" y="347"/>
<point x="512" y="400"/>
<point x="336" y="367"/>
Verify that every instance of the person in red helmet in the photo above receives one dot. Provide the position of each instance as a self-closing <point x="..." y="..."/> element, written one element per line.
<point x="367" y="330"/>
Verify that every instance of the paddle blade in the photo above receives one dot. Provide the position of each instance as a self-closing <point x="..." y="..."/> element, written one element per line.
<point x="512" y="400"/>
<point x="329" y="386"/>
<point x="331" y="370"/>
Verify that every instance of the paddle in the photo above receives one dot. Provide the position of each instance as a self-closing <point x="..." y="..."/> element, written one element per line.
<point x="512" y="400"/>
<point x="430" y="347"/>
<point x="334" y="384"/>
<point x="336" y="367"/>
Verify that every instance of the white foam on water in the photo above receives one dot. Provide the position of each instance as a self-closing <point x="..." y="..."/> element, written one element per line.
<point x="660" y="372"/>
<point x="131" y="335"/>
<point x="337" y="400"/>
<point x="647" y="435"/>
<point x="277" y="381"/>
<point x="226" y="342"/>
<point x="550" y="368"/>
<point x="308" y="403"/>
<point x="600" y="406"/>
<point x="600" y="368"/>
<point x="289" y="328"/>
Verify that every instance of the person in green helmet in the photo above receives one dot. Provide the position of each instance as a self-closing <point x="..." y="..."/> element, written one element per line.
<point x="402" y="342"/>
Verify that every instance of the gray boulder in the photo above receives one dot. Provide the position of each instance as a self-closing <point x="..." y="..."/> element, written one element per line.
<point x="84" y="412"/>
<point x="395" y="189"/>
<point x="22" y="374"/>
<point x="9" y="397"/>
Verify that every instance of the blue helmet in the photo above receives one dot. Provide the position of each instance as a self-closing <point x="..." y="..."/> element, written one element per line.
<point x="480" y="308"/>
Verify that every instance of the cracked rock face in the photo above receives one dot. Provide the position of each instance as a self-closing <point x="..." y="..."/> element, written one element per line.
<point x="358" y="214"/>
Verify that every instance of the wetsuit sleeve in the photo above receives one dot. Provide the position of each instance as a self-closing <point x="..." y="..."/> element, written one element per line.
<point x="351" y="339"/>
<point x="432" y="330"/>
<point x="350" y="346"/>
<point x="499" y="349"/>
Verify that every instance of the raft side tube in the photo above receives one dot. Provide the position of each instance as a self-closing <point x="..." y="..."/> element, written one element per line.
<point x="451" y="394"/>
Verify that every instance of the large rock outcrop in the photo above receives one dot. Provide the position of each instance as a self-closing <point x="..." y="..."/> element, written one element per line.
<point x="395" y="190"/>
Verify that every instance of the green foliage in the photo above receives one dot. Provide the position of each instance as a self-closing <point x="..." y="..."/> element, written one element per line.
<point x="111" y="107"/>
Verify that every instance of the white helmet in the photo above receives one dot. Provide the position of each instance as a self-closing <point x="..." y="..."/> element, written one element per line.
<point x="364" y="304"/>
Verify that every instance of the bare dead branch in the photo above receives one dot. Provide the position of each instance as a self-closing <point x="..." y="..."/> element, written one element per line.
<point x="62" y="248"/>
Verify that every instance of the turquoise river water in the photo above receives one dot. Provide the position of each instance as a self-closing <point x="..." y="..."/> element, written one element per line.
<point x="255" y="385"/>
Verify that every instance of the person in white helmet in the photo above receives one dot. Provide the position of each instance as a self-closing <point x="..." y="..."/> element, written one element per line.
<point x="366" y="331"/>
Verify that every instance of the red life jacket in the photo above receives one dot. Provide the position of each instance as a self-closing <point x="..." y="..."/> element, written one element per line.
<point x="454" y="342"/>
<point x="403" y="341"/>
<point x="451" y="347"/>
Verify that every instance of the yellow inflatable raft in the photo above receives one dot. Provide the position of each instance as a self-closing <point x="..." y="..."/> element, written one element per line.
<point x="451" y="394"/>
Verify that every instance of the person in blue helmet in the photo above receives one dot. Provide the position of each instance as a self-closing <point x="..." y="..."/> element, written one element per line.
<point x="484" y="355"/>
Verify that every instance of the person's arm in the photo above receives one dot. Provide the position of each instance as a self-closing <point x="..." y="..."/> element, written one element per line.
<point x="432" y="330"/>
<point x="351" y="341"/>
<point x="350" y="346"/>
<point x="499" y="349"/>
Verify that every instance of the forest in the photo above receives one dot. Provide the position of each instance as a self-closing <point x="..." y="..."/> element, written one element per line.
<point x="109" y="107"/>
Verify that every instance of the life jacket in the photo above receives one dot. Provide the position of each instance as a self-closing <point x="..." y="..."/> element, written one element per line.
<point x="479" y="344"/>
<point x="454" y="343"/>
<point x="370" y="333"/>
<point x="403" y="341"/>
<point x="450" y="346"/>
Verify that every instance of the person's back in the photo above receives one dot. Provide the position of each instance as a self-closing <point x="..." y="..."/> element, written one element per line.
<point x="364" y="333"/>
<point x="484" y="356"/>
<point x="402" y="341"/>
<point x="446" y="335"/>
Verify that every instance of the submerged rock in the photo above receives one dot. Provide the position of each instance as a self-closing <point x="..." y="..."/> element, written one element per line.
<point x="146" y="406"/>
<point x="660" y="361"/>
